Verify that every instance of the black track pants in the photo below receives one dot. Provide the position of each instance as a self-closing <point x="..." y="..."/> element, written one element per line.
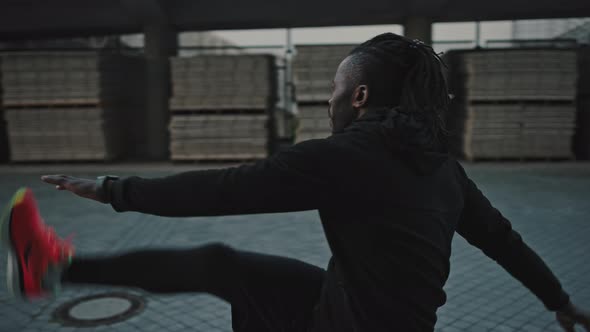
<point x="266" y="293"/>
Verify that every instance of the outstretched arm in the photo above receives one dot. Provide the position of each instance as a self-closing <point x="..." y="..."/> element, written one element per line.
<point x="485" y="227"/>
<point x="292" y="180"/>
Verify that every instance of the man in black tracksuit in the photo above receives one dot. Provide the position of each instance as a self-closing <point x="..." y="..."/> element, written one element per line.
<point x="389" y="196"/>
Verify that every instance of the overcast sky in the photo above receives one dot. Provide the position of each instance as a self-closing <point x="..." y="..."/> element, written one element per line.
<point x="441" y="32"/>
<point x="357" y="34"/>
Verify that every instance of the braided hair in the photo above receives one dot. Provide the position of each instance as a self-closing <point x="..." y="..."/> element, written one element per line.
<point x="403" y="73"/>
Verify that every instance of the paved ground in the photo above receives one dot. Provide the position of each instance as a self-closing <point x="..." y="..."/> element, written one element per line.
<point x="548" y="203"/>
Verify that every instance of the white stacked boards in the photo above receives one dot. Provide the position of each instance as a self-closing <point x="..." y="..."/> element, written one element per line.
<point x="4" y="149"/>
<point x="314" y="67"/>
<point x="512" y="103"/>
<point x="312" y="122"/>
<point x="221" y="107"/>
<point x="70" y="106"/>
<point x="582" y="137"/>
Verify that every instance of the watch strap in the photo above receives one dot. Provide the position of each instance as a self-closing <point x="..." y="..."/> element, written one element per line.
<point x="101" y="187"/>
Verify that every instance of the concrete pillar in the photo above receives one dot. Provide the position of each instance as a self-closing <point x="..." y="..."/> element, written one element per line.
<point x="419" y="28"/>
<point x="161" y="42"/>
<point x="477" y="34"/>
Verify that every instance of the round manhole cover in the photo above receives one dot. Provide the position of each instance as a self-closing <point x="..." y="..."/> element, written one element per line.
<point x="99" y="309"/>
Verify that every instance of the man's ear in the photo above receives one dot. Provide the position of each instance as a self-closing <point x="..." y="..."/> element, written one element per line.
<point x="360" y="96"/>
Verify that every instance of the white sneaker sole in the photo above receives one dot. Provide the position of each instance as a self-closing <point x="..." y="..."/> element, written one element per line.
<point x="13" y="280"/>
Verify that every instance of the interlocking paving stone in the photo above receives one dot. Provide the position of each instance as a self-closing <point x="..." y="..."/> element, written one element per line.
<point x="546" y="202"/>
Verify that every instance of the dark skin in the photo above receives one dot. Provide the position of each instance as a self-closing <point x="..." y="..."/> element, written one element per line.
<point x="348" y="102"/>
<point x="349" y="98"/>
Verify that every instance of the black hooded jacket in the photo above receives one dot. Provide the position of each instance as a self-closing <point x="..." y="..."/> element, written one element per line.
<point x="390" y="199"/>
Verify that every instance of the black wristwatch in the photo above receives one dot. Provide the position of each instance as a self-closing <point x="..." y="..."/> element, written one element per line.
<point x="101" y="187"/>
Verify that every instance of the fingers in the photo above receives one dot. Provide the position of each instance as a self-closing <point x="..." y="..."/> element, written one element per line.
<point x="583" y="318"/>
<point x="574" y="316"/>
<point x="567" y="327"/>
<point x="59" y="180"/>
<point x="566" y="322"/>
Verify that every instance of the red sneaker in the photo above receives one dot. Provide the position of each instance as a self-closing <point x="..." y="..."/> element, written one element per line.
<point x="36" y="255"/>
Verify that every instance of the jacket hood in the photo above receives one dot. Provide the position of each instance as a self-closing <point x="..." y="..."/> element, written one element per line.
<point x="409" y="135"/>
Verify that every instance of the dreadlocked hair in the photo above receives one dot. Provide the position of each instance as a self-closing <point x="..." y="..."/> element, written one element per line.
<point x="404" y="73"/>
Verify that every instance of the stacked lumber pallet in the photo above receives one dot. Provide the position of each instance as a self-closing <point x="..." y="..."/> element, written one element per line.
<point x="70" y="106"/>
<point x="582" y="137"/>
<point x="72" y="133"/>
<point x="518" y="131"/>
<point x="226" y="82"/>
<point x="218" y="136"/>
<point x="313" y="122"/>
<point x="513" y="103"/>
<point x="4" y="152"/>
<point x="519" y="75"/>
<point x="221" y="107"/>
<point x="314" y="67"/>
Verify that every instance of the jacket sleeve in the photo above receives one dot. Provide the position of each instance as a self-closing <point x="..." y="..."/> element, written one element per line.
<point x="292" y="180"/>
<point x="485" y="227"/>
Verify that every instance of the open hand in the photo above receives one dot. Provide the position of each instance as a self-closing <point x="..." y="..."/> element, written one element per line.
<point x="571" y="316"/>
<point x="86" y="188"/>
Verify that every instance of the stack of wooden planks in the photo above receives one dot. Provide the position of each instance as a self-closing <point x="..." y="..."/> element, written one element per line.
<point x="313" y="122"/>
<point x="67" y="133"/>
<point x="221" y="107"/>
<point x="4" y="152"/>
<point x="222" y="82"/>
<point x="519" y="75"/>
<point x="513" y="103"/>
<point x="218" y="136"/>
<point x="518" y="131"/>
<point x="582" y="137"/>
<point x="70" y="106"/>
<point x="314" y="67"/>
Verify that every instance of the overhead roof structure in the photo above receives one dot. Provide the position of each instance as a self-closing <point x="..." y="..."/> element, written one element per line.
<point x="66" y="18"/>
